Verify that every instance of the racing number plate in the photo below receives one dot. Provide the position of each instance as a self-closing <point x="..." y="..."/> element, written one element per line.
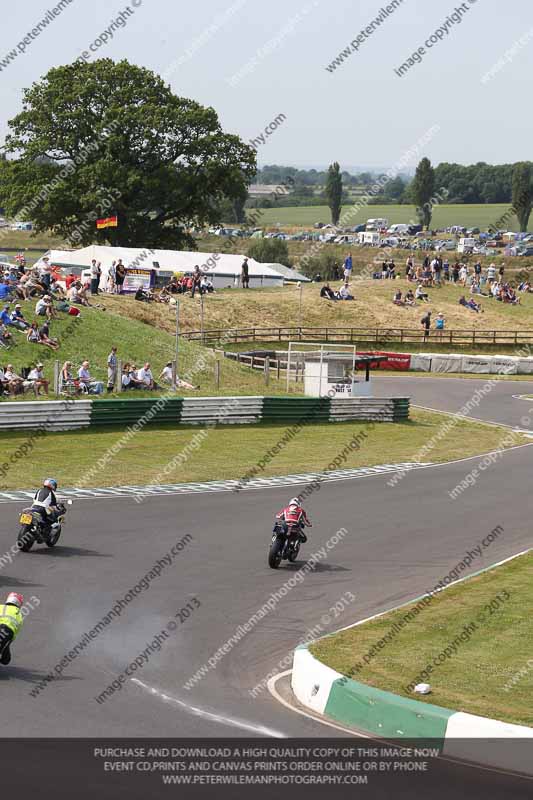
<point x="26" y="519"/>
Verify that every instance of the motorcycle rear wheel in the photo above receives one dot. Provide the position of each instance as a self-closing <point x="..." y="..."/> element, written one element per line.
<point x="53" y="539"/>
<point x="275" y="553"/>
<point x="25" y="539"/>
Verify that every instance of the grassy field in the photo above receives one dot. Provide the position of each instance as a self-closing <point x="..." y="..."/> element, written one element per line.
<point x="373" y="307"/>
<point x="96" y="330"/>
<point x="73" y="454"/>
<point x="483" y="677"/>
<point x="480" y="216"/>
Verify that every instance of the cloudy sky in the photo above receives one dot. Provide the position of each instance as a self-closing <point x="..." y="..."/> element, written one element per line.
<point x="253" y="61"/>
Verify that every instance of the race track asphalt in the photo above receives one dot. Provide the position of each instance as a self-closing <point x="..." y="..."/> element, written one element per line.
<point x="401" y="541"/>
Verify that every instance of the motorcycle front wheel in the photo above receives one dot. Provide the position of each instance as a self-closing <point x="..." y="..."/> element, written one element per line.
<point x="25" y="539"/>
<point x="275" y="553"/>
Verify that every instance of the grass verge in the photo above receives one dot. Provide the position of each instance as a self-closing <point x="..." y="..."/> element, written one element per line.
<point x="489" y="673"/>
<point x="74" y="454"/>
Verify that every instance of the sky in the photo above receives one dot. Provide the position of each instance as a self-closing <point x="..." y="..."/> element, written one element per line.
<point x="464" y="96"/>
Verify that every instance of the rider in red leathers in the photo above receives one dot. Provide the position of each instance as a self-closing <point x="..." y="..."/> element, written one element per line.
<point x="294" y="514"/>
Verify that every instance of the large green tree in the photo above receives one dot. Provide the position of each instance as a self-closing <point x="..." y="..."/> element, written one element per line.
<point x="108" y="138"/>
<point x="333" y="191"/>
<point x="522" y="193"/>
<point x="270" y="251"/>
<point x="421" y="189"/>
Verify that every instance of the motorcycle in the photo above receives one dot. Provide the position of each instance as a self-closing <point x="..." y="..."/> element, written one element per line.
<point x="34" y="529"/>
<point x="285" y="544"/>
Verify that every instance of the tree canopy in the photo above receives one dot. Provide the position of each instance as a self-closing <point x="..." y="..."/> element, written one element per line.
<point x="104" y="138"/>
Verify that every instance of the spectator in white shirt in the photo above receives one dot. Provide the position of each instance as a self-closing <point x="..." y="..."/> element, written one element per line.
<point x="166" y="377"/>
<point x="145" y="376"/>
<point x="36" y="380"/>
<point x="94" y="387"/>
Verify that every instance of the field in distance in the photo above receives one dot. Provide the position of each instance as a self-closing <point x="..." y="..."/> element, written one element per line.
<point x="480" y="216"/>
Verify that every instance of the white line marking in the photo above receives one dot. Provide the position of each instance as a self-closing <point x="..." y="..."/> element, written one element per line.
<point x="200" y="712"/>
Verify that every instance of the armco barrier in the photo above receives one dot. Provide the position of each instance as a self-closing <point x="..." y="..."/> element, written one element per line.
<point x="144" y="411"/>
<point x="55" y="415"/>
<point x="221" y="410"/>
<point x="72" y="414"/>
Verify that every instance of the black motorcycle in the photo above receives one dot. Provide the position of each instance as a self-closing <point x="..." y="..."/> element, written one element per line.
<point x="35" y="529"/>
<point x="285" y="545"/>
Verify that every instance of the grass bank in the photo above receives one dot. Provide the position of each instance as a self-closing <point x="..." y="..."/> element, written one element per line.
<point x="312" y="449"/>
<point x="487" y="675"/>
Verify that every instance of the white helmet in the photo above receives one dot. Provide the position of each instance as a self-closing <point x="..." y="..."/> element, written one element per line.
<point x="294" y="502"/>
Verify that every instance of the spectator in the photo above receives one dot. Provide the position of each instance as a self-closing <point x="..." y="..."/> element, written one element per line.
<point x="144" y="375"/>
<point x="384" y="271"/>
<point x="68" y="383"/>
<point x="500" y="273"/>
<point x="36" y="380"/>
<point x="409" y="267"/>
<point x="196" y="278"/>
<point x="45" y="308"/>
<point x="84" y="376"/>
<point x="426" y="324"/>
<point x="463" y="274"/>
<point x="6" y="340"/>
<point x="4" y="384"/>
<point x="446" y="269"/>
<point x="34" y="337"/>
<point x="327" y="292"/>
<point x="166" y="377"/>
<point x="135" y="381"/>
<point x="173" y="286"/>
<point x="94" y="277"/>
<point x="455" y="272"/>
<point x="344" y="293"/>
<point x="126" y="378"/>
<point x="14" y="381"/>
<point x="420" y="294"/>
<point x="392" y="269"/>
<point x="120" y="274"/>
<point x="5" y="316"/>
<point x="44" y="333"/>
<point x="409" y="298"/>
<point x="69" y="280"/>
<point x="111" y="279"/>
<point x="398" y="299"/>
<point x="440" y="322"/>
<point x="348" y="264"/>
<point x="491" y="274"/>
<point x="143" y="296"/>
<point x="245" y="274"/>
<point x="206" y="286"/>
<point x="5" y="289"/>
<point x="112" y="369"/>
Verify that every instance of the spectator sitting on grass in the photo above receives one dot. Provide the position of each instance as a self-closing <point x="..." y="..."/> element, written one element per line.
<point x="471" y="304"/>
<point x="144" y="375"/>
<point x="4" y="387"/>
<point x="135" y="381"/>
<point x="5" y="317"/>
<point x="45" y="308"/>
<point x="6" y="340"/>
<point x="143" y="296"/>
<point x="36" y="380"/>
<point x="420" y="294"/>
<point x="327" y="292"/>
<point x="206" y="286"/>
<point x="409" y="298"/>
<point x="509" y="295"/>
<point x="34" y="337"/>
<point x="77" y="295"/>
<point x="126" y="379"/>
<point x="5" y="289"/>
<point x="398" y="299"/>
<point x="344" y="293"/>
<point x="17" y="318"/>
<point x="166" y="377"/>
<point x="44" y="333"/>
<point x="84" y="376"/>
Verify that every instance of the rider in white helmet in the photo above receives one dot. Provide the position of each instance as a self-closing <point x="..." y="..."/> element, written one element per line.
<point x="294" y="514"/>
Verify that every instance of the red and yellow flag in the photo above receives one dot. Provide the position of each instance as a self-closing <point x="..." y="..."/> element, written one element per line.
<point x="108" y="222"/>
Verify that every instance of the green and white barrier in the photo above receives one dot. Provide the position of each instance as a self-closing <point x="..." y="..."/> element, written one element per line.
<point x="137" y="413"/>
<point x="362" y="707"/>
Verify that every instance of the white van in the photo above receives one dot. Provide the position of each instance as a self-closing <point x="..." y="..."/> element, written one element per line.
<point x="369" y="237"/>
<point x="466" y="245"/>
<point x="377" y="224"/>
<point x="399" y="227"/>
<point x="345" y="238"/>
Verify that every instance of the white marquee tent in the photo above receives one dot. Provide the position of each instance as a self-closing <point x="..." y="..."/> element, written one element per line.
<point x="223" y="269"/>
